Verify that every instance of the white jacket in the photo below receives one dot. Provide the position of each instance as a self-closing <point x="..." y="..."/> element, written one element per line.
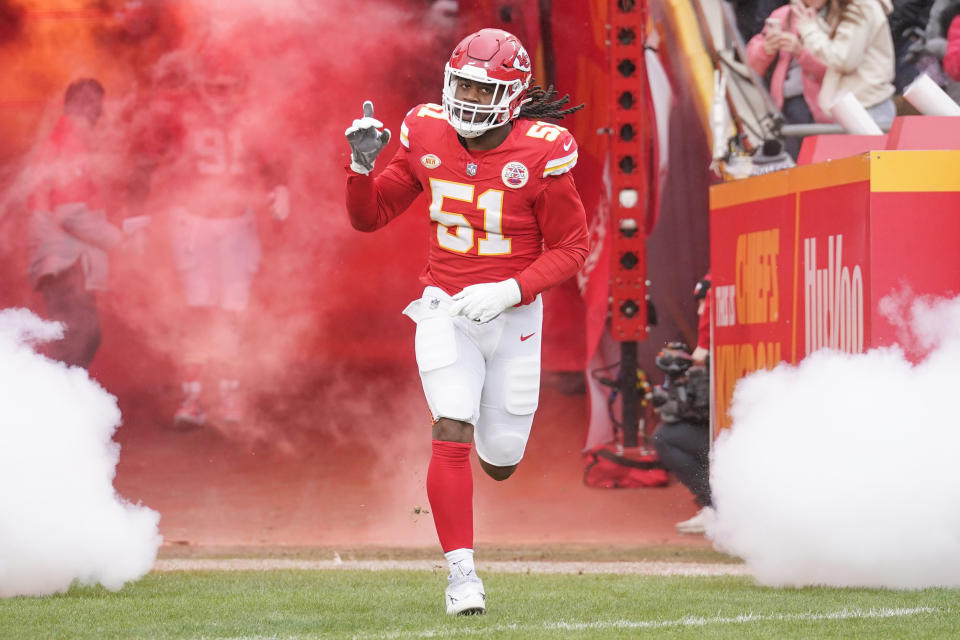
<point x="859" y="57"/>
<point x="69" y="233"/>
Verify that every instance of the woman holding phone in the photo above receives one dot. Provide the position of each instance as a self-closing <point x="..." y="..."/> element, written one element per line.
<point x="853" y="40"/>
<point x="794" y="80"/>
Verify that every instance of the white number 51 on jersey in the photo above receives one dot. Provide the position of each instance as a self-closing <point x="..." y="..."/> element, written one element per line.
<point x="454" y="232"/>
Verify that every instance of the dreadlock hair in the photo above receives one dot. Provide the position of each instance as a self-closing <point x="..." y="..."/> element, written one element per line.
<point x="539" y="103"/>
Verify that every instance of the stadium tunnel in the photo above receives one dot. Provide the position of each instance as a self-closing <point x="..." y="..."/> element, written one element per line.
<point x="336" y="452"/>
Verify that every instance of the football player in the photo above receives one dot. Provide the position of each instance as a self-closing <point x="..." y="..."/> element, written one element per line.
<point x="212" y="180"/>
<point x="506" y="224"/>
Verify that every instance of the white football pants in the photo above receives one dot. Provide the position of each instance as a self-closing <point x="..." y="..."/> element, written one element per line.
<point x="216" y="258"/>
<point x="485" y="374"/>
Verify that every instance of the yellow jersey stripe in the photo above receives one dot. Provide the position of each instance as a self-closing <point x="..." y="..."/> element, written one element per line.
<point x="563" y="168"/>
<point x="561" y="161"/>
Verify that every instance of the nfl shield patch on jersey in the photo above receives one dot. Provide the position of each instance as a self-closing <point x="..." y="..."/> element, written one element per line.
<point x="515" y="175"/>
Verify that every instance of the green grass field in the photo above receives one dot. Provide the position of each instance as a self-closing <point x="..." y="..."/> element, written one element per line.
<point x="408" y="604"/>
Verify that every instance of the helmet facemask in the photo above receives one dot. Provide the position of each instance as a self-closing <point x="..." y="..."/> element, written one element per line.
<point x="223" y="94"/>
<point x="471" y="119"/>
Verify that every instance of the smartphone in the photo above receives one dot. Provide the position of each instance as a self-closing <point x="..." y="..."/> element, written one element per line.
<point x="772" y="25"/>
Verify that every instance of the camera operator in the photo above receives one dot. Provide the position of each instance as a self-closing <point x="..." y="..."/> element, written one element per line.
<point x="683" y="401"/>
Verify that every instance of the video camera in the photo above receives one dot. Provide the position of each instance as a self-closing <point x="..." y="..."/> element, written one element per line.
<point x="674" y="359"/>
<point x="685" y="393"/>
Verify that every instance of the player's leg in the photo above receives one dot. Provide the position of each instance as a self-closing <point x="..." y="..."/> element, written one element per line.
<point x="226" y="341"/>
<point x="238" y="261"/>
<point x="450" y="483"/>
<point x="451" y="370"/>
<point x="450" y="492"/>
<point x="511" y="391"/>
<point x="193" y="243"/>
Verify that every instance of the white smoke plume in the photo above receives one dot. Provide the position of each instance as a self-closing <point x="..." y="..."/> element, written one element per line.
<point x="842" y="471"/>
<point x="60" y="519"/>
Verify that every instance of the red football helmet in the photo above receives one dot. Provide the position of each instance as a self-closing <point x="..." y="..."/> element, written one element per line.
<point x="222" y="80"/>
<point x="489" y="56"/>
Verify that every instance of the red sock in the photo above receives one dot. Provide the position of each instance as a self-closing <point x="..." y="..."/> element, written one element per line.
<point x="450" y="491"/>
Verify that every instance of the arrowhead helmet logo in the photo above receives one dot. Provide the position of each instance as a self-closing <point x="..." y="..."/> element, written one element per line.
<point x="522" y="61"/>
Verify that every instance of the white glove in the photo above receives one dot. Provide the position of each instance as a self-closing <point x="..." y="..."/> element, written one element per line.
<point x="366" y="141"/>
<point x="135" y="234"/>
<point x="484" y="302"/>
<point x="279" y="203"/>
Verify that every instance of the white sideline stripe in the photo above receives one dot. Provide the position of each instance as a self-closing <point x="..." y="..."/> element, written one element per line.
<point x="271" y="564"/>
<point x="687" y="621"/>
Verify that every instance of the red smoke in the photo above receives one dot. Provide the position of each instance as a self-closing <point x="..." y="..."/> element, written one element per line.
<point x="327" y="355"/>
<point x="324" y="340"/>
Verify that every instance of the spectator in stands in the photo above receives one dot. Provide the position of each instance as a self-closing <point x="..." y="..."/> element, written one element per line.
<point x="928" y="44"/>
<point x="794" y="81"/>
<point x="907" y="23"/>
<point x="69" y="231"/>
<point x="936" y="26"/>
<point x="951" y="57"/>
<point x="855" y="44"/>
<point x="750" y="15"/>
<point x="683" y="438"/>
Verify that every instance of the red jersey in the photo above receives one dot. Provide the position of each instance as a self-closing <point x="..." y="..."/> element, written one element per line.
<point x="510" y="212"/>
<point x="208" y="165"/>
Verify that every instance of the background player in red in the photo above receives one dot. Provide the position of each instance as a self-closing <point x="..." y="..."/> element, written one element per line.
<point x="507" y="223"/>
<point x="210" y="180"/>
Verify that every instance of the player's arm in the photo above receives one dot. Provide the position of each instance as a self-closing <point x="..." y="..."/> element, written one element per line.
<point x="157" y="144"/>
<point x="373" y="202"/>
<point x="273" y="173"/>
<point x="563" y="224"/>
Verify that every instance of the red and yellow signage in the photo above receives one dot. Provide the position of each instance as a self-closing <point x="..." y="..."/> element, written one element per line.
<point x="801" y="258"/>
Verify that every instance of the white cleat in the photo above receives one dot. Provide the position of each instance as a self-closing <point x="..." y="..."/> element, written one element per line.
<point x="465" y="595"/>
<point x="698" y="523"/>
<point x="190" y="414"/>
